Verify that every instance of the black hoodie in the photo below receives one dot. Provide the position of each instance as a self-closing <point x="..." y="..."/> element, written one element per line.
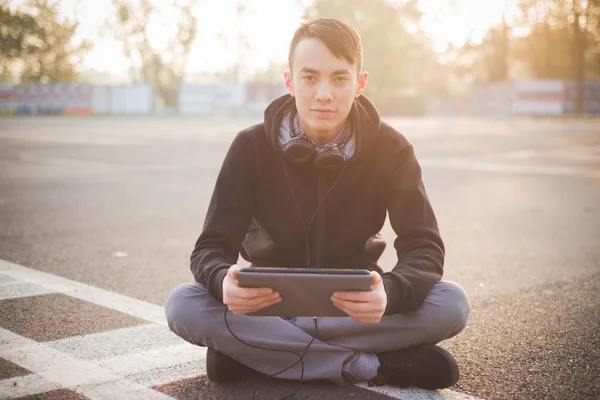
<point x="253" y="210"/>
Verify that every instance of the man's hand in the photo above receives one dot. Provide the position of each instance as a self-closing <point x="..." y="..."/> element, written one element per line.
<point x="367" y="307"/>
<point x="245" y="300"/>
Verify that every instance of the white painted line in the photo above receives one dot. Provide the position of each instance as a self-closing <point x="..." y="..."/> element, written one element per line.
<point x="65" y="371"/>
<point x="417" y="394"/>
<point x="98" y="346"/>
<point x="27" y="385"/>
<point x="10" y="340"/>
<point x="407" y="393"/>
<point x="57" y="367"/>
<point x="486" y="166"/>
<point x="451" y="395"/>
<point x="163" y="376"/>
<point x="121" y="390"/>
<point x="153" y="359"/>
<point x="151" y="367"/>
<point x="105" y="298"/>
<point x="5" y="279"/>
<point x="17" y="290"/>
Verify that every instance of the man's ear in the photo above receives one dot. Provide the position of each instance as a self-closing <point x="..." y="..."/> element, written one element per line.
<point x="287" y="79"/>
<point x="362" y="83"/>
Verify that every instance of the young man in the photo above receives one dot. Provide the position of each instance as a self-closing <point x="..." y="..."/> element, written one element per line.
<point x="310" y="187"/>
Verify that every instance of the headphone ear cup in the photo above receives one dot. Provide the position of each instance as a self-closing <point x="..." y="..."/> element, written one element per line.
<point x="299" y="151"/>
<point x="329" y="159"/>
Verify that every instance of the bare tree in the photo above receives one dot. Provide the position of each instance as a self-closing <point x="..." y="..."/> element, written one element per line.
<point x="164" y="70"/>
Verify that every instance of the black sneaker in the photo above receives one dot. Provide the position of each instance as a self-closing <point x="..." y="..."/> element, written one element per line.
<point x="425" y="367"/>
<point x="223" y="369"/>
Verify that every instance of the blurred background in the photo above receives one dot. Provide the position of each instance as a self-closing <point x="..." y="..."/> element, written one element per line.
<point x="118" y="114"/>
<point x="197" y="57"/>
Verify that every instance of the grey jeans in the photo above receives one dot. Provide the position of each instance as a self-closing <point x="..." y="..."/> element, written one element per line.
<point x="197" y="317"/>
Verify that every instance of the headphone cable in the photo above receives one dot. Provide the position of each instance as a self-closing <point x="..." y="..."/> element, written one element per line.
<point x="300" y="356"/>
<point x="306" y="230"/>
<point x="304" y="226"/>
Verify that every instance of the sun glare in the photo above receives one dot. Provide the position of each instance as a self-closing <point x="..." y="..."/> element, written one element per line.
<point x="454" y="22"/>
<point x="445" y="21"/>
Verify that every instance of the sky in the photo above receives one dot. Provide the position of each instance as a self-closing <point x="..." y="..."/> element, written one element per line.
<point x="446" y="21"/>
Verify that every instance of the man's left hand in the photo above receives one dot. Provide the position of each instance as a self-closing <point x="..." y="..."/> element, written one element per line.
<point x="367" y="307"/>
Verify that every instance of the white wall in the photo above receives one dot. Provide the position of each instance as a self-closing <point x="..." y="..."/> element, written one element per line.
<point x="215" y="99"/>
<point x="539" y="97"/>
<point x="122" y="100"/>
<point x="101" y="99"/>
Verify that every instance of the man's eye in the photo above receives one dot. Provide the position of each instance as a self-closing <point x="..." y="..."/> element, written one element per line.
<point x="340" y="79"/>
<point x="309" y="79"/>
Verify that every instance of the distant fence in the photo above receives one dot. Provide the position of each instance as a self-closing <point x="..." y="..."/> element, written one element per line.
<point x="75" y="99"/>
<point x="526" y="97"/>
<point x="519" y="98"/>
<point x="83" y="99"/>
<point x="122" y="100"/>
<point x="227" y="99"/>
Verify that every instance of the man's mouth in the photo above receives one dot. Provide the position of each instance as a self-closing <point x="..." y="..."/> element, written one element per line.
<point x="323" y="112"/>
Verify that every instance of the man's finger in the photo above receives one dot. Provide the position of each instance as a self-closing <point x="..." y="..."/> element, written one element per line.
<point x="344" y="308"/>
<point x="364" y="317"/>
<point x="375" y="278"/>
<point x="354" y="296"/>
<point x="253" y="302"/>
<point x="356" y="307"/>
<point x="244" y="309"/>
<point x="266" y="303"/>
<point x="233" y="271"/>
<point x="251" y="293"/>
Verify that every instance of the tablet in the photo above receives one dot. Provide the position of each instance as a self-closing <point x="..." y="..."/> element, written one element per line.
<point x="305" y="292"/>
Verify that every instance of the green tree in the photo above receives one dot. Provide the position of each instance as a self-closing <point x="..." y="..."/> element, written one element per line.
<point x="546" y="52"/>
<point x="17" y="39"/>
<point x="592" y="40"/>
<point x="564" y="40"/>
<point x="58" y="57"/>
<point x="39" y="44"/>
<point x="396" y="51"/>
<point x="164" y="70"/>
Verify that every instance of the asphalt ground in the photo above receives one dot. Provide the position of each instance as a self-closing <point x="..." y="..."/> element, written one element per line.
<point x="117" y="203"/>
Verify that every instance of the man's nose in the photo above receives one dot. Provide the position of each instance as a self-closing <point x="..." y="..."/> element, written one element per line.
<point x="324" y="92"/>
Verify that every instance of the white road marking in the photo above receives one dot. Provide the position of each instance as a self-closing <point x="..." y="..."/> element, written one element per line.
<point x="418" y="394"/>
<point x="10" y="340"/>
<point x="163" y="376"/>
<point x="123" y="363"/>
<point x="450" y="395"/>
<point x="25" y="386"/>
<point x="61" y="370"/>
<point x="105" y="298"/>
<point x="6" y="280"/>
<point x="153" y="359"/>
<point x="121" y="390"/>
<point x="53" y="365"/>
<point x="118" y="342"/>
<point x="12" y="290"/>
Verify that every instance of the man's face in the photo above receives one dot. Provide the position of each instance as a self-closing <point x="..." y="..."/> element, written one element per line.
<point x="324" y="87"/>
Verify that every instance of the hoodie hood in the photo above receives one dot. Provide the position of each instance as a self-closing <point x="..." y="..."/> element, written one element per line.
<point x="363" y="115"/>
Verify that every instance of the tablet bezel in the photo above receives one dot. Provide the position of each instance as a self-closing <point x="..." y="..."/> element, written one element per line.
<point x="305" y="292"/>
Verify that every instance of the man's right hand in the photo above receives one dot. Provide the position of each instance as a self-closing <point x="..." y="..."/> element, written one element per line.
<point x="245" y="300"/>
